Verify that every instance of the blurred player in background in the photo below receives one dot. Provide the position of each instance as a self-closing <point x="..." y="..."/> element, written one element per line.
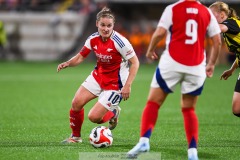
<point x="3" y="41"/>
<point x="182" y="62"/>
<point x="111" y="80"/>
<point x="230" y="27"/>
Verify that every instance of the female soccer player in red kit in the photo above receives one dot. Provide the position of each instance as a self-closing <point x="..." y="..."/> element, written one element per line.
<point x="183" y="62"/>
<point x="117" y="66"/>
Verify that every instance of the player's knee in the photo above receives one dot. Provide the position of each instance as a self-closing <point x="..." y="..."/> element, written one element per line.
<point x="76" y="106"/>
<point x="93" y="118"/>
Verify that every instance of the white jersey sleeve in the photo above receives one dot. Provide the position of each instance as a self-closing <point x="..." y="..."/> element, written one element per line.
<point x="213" y="27"/>
<point x="166" y="18"/>
<point x="123" y="46"/>
<point x="87" y="42"/>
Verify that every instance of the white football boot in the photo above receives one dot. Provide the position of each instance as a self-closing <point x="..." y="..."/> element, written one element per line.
<point x="192" y="154"/>
<point x="142" y="146"/>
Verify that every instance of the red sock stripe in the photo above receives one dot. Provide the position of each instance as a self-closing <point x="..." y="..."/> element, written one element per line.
<point x="191" y="126"/>
<point x="149" y="118"/>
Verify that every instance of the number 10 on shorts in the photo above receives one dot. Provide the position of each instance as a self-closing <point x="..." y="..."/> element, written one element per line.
<point x="115" y="98"/>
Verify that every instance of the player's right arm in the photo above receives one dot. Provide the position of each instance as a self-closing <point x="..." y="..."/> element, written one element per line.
<point x="74" y="61"/>
<point x="215" y="50"/>
<point x="159" y="34"/>
<point x="164" y="23"/>
<point x="78" y="58"/>
<point x="214" y="33"/>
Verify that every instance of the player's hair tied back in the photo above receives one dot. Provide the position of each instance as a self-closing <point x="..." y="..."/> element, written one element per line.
<point x="105" y="12"/>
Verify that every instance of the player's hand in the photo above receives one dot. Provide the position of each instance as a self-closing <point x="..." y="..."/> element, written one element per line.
<point x="152" y="55"/>
<point x="210" y="70"/>
<point x="125" y="92"/>
<point x="226" y="74"/>
<point x="62" y="66"/>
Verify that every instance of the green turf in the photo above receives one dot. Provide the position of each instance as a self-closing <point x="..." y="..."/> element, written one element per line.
<point x="35" y="101"/>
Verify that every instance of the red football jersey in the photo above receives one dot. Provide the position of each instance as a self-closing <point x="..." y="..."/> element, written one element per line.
<point x="112" y="67"/>
<point x="187" y="23"/>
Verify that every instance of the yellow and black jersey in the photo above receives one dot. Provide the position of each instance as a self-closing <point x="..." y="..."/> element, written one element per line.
<point x="232" y="36"/>
<point x="2" y="34"/>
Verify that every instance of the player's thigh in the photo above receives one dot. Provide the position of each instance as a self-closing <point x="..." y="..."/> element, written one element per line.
<point x="236" y="102"/>
<point x="92" y="85"/>
<point x="97" y="112"/>
<point x="82" y="96"/>
<point x="108" y="100"/>
<point x="157" y="95"/>
<point x="191" y="88"/>
<point x="166" y="79"/>
<point x="236" y="97"/>
<point x="192" y="84"/>
<point x="89" y="90"/>
<point x="188" y="101"/>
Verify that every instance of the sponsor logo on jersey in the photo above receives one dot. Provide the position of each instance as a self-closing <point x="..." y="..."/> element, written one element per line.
<point x="103" y="58"/>
<point x="109" y="49"/>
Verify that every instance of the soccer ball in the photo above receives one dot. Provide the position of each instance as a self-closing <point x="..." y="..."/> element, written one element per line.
<point x="101" y="137"/>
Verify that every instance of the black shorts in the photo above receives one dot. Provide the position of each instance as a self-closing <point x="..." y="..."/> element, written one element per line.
<point x="237" y="86"/>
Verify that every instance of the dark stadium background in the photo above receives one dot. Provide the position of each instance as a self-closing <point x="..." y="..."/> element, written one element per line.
<point x="65" y="25"/>
<point x="35" y="99"/>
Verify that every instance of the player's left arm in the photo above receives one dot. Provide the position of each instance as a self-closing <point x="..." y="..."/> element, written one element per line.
<point x="226" y="74"/>
<point x="134" y="65"/>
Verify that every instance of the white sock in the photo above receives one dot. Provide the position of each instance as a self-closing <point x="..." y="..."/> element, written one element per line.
<point x="192" y="152"/>
<point x="144" y="140"/>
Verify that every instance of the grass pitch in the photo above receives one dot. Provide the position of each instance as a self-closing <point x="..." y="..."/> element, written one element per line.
<point x="35" y="102"/>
